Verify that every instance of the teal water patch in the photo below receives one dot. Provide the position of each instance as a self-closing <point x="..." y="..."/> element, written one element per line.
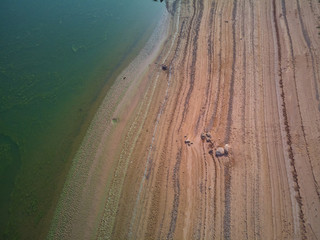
<point x="10" y="164"/>
<point x="56" y="60"/>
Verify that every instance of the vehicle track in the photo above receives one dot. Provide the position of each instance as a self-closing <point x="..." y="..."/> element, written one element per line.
<point x="287" y="129"/>
<point x="194" y="56"/>
<point x="234" y="59"/>
<point x="284" y="14"/>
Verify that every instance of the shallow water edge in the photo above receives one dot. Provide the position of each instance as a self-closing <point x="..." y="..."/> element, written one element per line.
<point x="83" y="194"/>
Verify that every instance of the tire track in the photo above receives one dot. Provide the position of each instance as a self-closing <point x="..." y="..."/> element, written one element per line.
<point x="287" y="129"/>
<point x="257" y="180"/>
<point x="205" y="193"/>
<point x="231" y="90"/>
<point x="244" y="91"/>
<point x="227" y="174"/>
<point x="181" y="33"/>
<point x="162" y="107"/>
<point x="308" y="42"/>
<point x="155" y="199"/>
<point x="244" y="77"/>
<point x="194" y="57"/>
<point x="217" y="99"/>
<point x="202" y="190"/>
<point x="215" y="196"/>
<point x="227" y="200"/>
<point x="178" y="96"/>
<point x="175" y="205"/>
<point x="183" y="61"/>
<point x="256" y="208"/>
<point x="210" y="63"/>
<point x="284" y="14"/>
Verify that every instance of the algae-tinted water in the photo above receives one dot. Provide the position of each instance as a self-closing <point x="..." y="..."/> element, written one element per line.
<point x="56" y="58"/>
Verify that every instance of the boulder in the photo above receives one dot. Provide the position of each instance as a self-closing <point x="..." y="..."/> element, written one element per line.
<point x="203" y="137"/>
<point x="226" y="148"/>
<point x="220" y="152"/>
<point x="164" y="67"/>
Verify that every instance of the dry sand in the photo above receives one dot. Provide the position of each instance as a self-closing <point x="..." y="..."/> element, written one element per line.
<point x="247" y="72"/>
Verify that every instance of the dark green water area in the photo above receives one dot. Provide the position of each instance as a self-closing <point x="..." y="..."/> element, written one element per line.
<point x="57" y="60"/>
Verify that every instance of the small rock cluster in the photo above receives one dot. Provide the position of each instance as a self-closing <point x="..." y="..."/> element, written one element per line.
<point x="222" y="151"/>
<point x="164" y="67"/>
<point x="219" y="151"/>
<point x="188" y="142"/>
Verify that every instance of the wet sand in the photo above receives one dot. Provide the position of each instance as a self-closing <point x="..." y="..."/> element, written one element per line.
<point x="247" y="73"/>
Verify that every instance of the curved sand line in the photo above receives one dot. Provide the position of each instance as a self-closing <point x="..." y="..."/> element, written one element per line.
<point x="84" y="193"/>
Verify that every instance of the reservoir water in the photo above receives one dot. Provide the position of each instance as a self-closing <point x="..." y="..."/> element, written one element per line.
<point x="57" y="61"/>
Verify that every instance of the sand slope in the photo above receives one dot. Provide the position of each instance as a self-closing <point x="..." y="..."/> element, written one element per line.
<point x="247" y="72"/>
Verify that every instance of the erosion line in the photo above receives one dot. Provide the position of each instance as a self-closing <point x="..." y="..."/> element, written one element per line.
<point x="205" y="197"/>
<point x="217" y="99"/>
<point x="171" y="124"/>
<point x="157" y="122"/>
<point x="210" y="63"/>
<point x="244" y="77"/>
<point x="227" y="200"/>
<point x="175" y="205"/>
<point x="194" y="58"/>
<point x="227" y="211"/>
<point x="284" y="13"/>
<point x="215" y="196"/>
<point x="287" y="129"/>
<point x="307" y="40"/>
<point x="231" y="90"/>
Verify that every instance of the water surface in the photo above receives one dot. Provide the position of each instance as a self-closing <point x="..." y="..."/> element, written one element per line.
<point x="57" y="60"/>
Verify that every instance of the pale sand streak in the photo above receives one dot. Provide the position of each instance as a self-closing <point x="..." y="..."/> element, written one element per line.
<point x="283" y="136"/>
<point x="82" y="186"/>
<point x="158" y="119"/>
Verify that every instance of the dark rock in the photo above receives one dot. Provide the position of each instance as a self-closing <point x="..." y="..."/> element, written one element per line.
<point x="203" y="137"/>
<point x="220" y="152"/>
<point x="115" y="120"/>
<point x="164" y="67"/>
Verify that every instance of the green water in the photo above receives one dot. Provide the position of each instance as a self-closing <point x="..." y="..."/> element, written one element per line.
<point x="57" y="59"/>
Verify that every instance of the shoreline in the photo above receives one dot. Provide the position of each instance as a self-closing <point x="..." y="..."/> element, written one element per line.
<point x="159" y="172"/>
<point x="54" y="94"/>
<point x="124" y="86"/>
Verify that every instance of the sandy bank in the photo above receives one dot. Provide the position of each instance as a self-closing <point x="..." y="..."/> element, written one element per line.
<point x="86" y="189"/>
